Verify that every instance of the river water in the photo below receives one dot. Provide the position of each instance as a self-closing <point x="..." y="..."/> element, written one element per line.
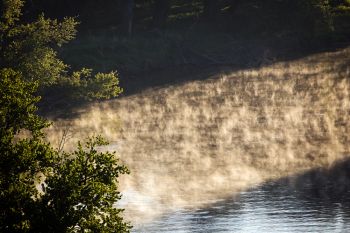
<point x="272" y="207"/>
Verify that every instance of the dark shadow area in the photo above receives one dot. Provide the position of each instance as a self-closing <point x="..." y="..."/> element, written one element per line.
<point x="174" y="41"/>
<point x="328" y="184"/>
<point x="204" y="68"/>
<point x="336" y="62"/>
<point x="202" y="35"/>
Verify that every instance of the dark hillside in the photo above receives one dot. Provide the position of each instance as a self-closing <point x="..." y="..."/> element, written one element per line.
<point x="145" y="39"/>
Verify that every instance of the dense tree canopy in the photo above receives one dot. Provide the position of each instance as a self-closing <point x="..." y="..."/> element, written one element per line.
<point x="30" y="48"/>
<point x="311" y="16"/>
<point x="21" y="161"/>
<point x="41" y="188"/>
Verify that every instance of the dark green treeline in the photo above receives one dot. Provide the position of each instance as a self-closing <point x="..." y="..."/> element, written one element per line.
<point x="308" y="18"/>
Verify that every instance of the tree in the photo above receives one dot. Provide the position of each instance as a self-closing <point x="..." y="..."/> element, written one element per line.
<point x="160" y="14"/>
<point x="80" y="195"/>
<point x="23" y="160"/>
<point x="42" y="190"/>
<point x="30" y="48"/>
<point x="127" y="16"/>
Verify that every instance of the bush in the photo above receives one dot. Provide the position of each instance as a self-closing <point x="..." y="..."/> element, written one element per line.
<point x="42" y="190"/>
<point x="30" y="48"/>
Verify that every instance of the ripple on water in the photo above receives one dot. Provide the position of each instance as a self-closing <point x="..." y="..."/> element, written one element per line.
<point x="269" y="208"/>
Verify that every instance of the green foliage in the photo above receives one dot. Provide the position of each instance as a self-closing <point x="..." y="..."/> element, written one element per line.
<point x="41" y="190"/>
<point x="21" y="161"/>
<point x="84" y="85"/>
<point x="81" y="196"/>
<point x="17" y="105"/>
<point x="10" y="12"/>
<point x="30" y="48"/>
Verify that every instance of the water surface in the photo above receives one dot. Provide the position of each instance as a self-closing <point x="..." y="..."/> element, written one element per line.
<point x="272" y="207"/>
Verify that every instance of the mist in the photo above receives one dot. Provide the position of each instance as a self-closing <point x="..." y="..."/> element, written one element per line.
<point x="196" y="142"/>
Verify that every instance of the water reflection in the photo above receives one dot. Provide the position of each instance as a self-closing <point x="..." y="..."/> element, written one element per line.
<point x="317" y="201"/>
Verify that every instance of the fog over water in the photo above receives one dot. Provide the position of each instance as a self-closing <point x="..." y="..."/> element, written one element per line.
<point x="192" y="144"/>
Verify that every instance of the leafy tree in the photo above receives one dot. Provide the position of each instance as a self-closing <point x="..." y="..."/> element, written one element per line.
<point x="21" y="162"/>
<point x="30" y="48"/>
<point x="79" y="197"/>
<point x="41" y="190"/>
